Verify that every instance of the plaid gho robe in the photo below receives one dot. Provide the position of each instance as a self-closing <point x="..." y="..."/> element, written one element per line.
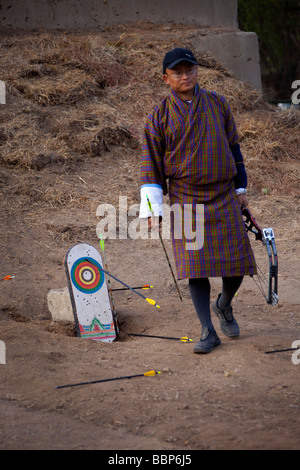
<point x="189" y="144"/>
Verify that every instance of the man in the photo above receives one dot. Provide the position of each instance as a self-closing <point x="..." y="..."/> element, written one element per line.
<point x="190" y="139"/>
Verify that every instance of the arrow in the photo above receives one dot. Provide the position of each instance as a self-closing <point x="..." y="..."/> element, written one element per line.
<point x="152" y="302"/>
<point x="6" y="278"/>
<point x="146" y="286"/>
<point x="164" y="248"/>
<point x="281" y="350"/>
<point x="101" y="241"/>
<point x="150" y="373"/>
<point x="184" y="339"/>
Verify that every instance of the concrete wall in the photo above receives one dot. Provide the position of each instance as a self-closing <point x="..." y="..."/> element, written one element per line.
<point x="236" y="50"/>
<point x="86" y="14"/>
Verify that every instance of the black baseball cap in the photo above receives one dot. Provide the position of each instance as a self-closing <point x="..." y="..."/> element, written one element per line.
<point x="177" y="55"/>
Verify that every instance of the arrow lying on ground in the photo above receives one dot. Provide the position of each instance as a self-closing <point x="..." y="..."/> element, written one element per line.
<point x="150" y="373"/>
<point x="281" y="350"/>
<point x="7" y="278"/>
<point x="184" y="339"/>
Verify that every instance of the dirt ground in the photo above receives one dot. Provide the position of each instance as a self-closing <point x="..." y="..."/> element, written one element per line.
<point x="236" y="397"/>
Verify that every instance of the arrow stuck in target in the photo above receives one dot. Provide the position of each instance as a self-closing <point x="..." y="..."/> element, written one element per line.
<point x="150" y="301"/>
<point x="145" y="287"/>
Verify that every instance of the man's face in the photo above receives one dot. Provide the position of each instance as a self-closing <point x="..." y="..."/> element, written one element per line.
<point x="182" y="78"/>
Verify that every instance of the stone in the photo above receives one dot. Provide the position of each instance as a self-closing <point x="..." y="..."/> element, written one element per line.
<point x="59" y="305"/>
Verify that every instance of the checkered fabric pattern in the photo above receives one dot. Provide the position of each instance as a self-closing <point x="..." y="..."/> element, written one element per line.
<point x="188" y="144"/>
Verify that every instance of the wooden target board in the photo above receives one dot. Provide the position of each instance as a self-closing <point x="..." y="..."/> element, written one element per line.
<point x="89" y="295"/>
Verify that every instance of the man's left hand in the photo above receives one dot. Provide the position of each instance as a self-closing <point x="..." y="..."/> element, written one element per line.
<point x="243" y="201"/>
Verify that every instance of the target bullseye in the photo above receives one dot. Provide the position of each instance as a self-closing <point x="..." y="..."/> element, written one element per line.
<point x="87" y="277"/>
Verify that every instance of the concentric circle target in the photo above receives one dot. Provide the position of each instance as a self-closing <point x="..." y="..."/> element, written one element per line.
<point x="87" y="275"/>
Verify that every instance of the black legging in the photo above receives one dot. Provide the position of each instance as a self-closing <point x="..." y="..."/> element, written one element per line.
<point x="200" y="294"/>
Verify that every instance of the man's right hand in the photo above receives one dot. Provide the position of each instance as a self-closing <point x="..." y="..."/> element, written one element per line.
<point x="154" y="222"/>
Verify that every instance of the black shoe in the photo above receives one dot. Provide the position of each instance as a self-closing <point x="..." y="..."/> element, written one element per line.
<point x="209" y="339"/>
<point x="228" y="324"/>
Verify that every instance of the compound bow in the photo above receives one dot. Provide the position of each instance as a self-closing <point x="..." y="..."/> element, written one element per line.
<point x="266" y="236"/>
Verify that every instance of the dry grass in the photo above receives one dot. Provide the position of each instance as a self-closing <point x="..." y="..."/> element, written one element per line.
<point x="72" y="97"/>
<point x="271" y="146"/>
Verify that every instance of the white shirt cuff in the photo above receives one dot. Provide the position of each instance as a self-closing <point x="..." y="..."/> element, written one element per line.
<point x="240" y="191"/>
<point x="155" y="195"/>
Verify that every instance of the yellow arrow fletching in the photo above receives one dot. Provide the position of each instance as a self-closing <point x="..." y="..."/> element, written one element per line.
<point x="150" y="373"/>
<point x="152" y="302"/>
<point x="185" y="339"/>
